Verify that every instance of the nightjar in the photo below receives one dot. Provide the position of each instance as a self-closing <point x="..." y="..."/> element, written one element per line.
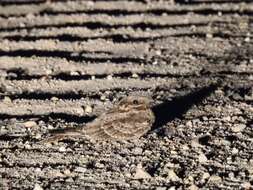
<point x="130" y="118"/>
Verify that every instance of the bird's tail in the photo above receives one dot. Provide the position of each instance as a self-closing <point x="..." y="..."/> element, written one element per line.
<point x="63" y="135"/>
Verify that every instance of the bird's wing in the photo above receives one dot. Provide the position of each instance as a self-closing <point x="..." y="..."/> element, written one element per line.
<point x="120" y="126"/>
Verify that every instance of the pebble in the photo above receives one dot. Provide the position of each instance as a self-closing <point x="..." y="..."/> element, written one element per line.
<point x="30" y="124"/>
<point x="137" y="150"/>
<point x="235" y="151"/>
<point x="215" y="179"/>
<point x="79" y="111"/>
<point x="74" y="73"/>
<point x="209" y="35"/>
<point x="188" y="124"/>
<point x="102" y="97"/>
<point x="99" y="165"/>
<point x="140" y="173"/>
<point x="109" y="77"/>
<point x="38" y="136"/>
<point x="28" y="146"/>
<point x="161" y="188"/>
<point x="54" y="99"/>
<point x="193" y="187"/>
<point x="67" y="172"/>
<point x="55" y="174"/>
<point x="238" y="128"/>
<point x="172" y="176"/>
<point x="158" y="52"/>
<point x="247" y="185"/>
<point x="81" y="169"/>
<point x="37" y="187"/>
<point x="50" y="127"/>
<point x="134" y="75"/>
<point x="88" y="109"/>
<point x="62" y="149"/>
<point x="7" y="99"/>
<point x="205" y="175"/>
<point x="247" y="39"/>
<point x="202" y="158"/>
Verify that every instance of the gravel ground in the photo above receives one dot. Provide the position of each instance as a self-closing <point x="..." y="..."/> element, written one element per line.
<point x="63" y="63"/>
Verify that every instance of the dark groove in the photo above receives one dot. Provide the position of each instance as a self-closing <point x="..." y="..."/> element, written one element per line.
<point x="19" y="74"/>
<point x="189" y="2"/>
<point x="117" y="38"/>
<point x="119" y="12"/>
<point x="52" y="116"/>
<point x="68" y="56"/>
<point x="100" y="25"/>
<point x="44" y="96"/>
<point x="158" y="12"/>
<point x="169" y="110"/>
<point x="180" y="2"/>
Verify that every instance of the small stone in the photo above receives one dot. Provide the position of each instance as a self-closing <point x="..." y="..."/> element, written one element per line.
<point x="37" y="170"/>
<point x="109" y="77"/>
<point x="238" y="128"/>
<point x="37" y="187"/>
<point x="215" y="179"/>
<point x="141" y="173"/>
<point x="81" y="169"/>
<point x="219" y="13"/>
<point x="134" y="75"/>
<point x="38" y="136"/>
<point x="193" y="187"/>
<point x="154" y="63"/>
<point x="205" y="175"/>
<point x="209" y="35"/>
<point x="50" y="127"/>
<point x="161" y="188"/>
<point x="69" y="180"/>
<point x="54" y="99"/>
<point x="88" y="109"/>
<point x="247" y="39"/>
<point x="235" y="151"/>
<point x="7" y="99"/>
<point x="99" y="165"/>
<point x="55" y="174"/>
<point x="102" y="97"/>
<point x="247" y="186"/>
<point x="172" y="176"/>
<point x="30" y="124"/>
<point x="62" y="149"/>
<point x="158" y="52"/>
<point x="137" y="150"/>
<point x="93" y="77"/>
<point x="202" y="158"/>
<point x="188" y="124"/>
<point x="190" y="178"/>
<point x="74" y="73"/>
<point x="79" y="111"/>
<point x="67" y="172"/>
<point x="28" y="146"/>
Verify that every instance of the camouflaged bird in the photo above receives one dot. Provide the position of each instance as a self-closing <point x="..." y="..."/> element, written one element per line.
<point x="131" y="118"/>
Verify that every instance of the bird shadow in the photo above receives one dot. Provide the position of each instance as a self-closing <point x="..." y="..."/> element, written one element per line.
<point x="175" y="108"/>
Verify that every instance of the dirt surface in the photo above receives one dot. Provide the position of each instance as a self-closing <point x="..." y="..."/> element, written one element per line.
<point x="63" y="63"/>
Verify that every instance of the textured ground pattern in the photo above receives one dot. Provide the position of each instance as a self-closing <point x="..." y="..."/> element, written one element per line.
<point x="63" y="63"/>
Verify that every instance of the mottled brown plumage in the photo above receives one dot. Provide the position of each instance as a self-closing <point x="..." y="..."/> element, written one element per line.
<point x="131" y="118"/>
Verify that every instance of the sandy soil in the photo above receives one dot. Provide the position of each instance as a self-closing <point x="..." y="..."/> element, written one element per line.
<point x="63" y="63"/>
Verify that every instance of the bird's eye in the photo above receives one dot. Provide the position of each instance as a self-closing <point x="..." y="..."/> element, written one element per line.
<point x="135" y="102"/>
